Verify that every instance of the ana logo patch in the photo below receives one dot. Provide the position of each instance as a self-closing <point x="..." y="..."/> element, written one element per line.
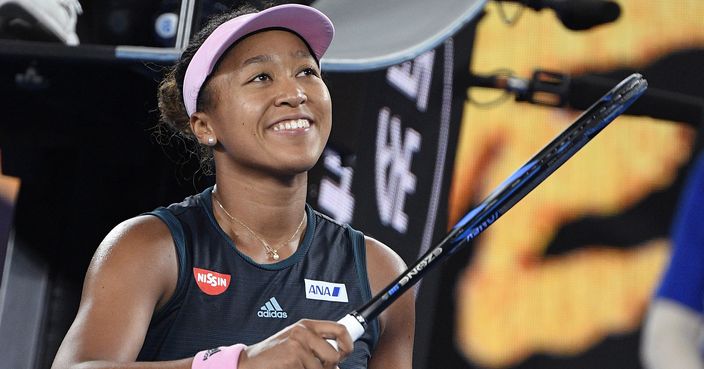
<point x="326" y="291"/>
<point x="212" y="283"/>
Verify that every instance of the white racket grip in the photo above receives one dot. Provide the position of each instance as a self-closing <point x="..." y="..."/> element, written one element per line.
<point x="354" y="328"/>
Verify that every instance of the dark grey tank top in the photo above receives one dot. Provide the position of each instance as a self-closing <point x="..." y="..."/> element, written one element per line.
<point x="223" y="297"/>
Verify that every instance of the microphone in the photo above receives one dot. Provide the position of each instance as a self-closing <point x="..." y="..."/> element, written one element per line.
<point x="579" y="92"/>
<point x="577" y="15"/>
<point x="544" y="88"/>
<point x="656" y="103"/>
<point x="499" y="81"/>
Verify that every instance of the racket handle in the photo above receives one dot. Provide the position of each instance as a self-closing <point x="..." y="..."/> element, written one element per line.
<point x="354" y="328"/>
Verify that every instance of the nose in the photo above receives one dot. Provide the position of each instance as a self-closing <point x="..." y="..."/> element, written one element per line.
<point x="291" y="94"/>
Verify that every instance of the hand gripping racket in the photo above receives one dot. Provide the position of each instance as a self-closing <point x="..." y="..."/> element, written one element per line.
<point x="512" y="190"/>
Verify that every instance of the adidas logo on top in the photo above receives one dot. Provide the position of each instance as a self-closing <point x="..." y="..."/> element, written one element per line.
<point x="272" y="309"/>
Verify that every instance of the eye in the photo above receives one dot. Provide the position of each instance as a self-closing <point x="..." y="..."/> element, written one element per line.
<point x="262" y="77"/>
<point x="309" y="71"/>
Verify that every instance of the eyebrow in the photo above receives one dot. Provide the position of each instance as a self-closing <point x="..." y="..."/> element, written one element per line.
<point x="257" y="59"/>
<point x="300" y="54"/>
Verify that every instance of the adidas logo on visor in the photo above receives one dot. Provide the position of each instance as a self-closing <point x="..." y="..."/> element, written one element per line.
<point x="272" y="309"/>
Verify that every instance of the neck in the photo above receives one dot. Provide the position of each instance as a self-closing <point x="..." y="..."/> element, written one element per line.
<point x="271" y="207"/>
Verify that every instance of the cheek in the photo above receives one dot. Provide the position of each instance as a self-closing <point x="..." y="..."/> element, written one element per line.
<point x="325" y="94"/>
<point x="325" y="102"/>
<point x="245" y="108"/>
<point x="239" y="113"/>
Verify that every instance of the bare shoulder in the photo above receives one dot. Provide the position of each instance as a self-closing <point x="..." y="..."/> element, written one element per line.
<point x="141" y="247"/>
<point x="135" y="238"/>
<point x="133" y="272"/>
<point x="383" y="264"/>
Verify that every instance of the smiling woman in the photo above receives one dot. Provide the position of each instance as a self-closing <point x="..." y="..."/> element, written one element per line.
<point x="228" y="277"/>
<point x="278" y="113"/>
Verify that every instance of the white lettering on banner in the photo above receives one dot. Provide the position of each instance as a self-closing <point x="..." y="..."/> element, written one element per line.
<point x="335" y="198"/>
<point x="413" y="78"/>
<point x="394" y="179"/>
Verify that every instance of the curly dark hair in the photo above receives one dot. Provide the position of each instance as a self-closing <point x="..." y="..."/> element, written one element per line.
<point x="174" y="121"/>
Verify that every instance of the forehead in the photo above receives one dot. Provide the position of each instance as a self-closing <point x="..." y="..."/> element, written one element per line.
<point x="265" y="46"/>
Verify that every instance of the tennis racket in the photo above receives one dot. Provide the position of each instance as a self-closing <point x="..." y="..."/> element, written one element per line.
<point x="510" y="192"/>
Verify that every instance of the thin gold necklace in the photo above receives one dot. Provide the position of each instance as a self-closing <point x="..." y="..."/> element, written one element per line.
<point x="273" y="253"/>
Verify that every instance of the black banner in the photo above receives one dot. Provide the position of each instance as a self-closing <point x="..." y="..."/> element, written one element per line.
<point x="388" y="165"/>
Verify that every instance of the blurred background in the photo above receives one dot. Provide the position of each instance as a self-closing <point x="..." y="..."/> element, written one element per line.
<point x="421" y="134"/>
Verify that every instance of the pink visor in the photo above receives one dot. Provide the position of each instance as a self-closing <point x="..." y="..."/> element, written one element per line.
<point x="313" y="26"/>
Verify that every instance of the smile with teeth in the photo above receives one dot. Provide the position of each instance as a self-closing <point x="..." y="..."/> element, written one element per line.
<point x="292" y="124"/>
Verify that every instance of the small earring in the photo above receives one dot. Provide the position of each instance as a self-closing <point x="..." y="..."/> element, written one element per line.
<point x="211" y="141"/>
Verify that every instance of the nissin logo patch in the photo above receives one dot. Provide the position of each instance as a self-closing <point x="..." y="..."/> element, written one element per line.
<point x="326" y="291"/>
<point x="212" y="283"/>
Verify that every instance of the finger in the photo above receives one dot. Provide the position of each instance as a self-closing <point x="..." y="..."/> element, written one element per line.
<point x="314" y="351"/>
<point x="333" y="343"/>
<point x="336" y="335"/>
<point x="310" y="361"/>
<point x="338" y="342"/>
<point x="345" y="345"/>
<point x="328" y="356"/>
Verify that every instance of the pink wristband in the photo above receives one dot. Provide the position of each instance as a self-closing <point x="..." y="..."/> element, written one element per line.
<point x="225" y="357"/>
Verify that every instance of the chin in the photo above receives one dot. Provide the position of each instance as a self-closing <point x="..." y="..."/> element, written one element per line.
<point x="306" y="161"/>
<point x="301" y="168"/>
<point x="294" y="168"/>
<point x="295" y="162"/>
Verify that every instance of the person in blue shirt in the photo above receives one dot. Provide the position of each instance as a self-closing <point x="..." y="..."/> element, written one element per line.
<point x="672" y="333"/>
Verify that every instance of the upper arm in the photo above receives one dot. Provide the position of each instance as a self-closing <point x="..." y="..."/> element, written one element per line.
<point x="397" y="322"/>
<point x="133" y="271"/>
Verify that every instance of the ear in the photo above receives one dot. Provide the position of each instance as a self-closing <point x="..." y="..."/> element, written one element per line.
<point x="202" y="129"/>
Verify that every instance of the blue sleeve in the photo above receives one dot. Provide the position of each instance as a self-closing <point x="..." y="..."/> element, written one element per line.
<point x="683" y="280"/>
